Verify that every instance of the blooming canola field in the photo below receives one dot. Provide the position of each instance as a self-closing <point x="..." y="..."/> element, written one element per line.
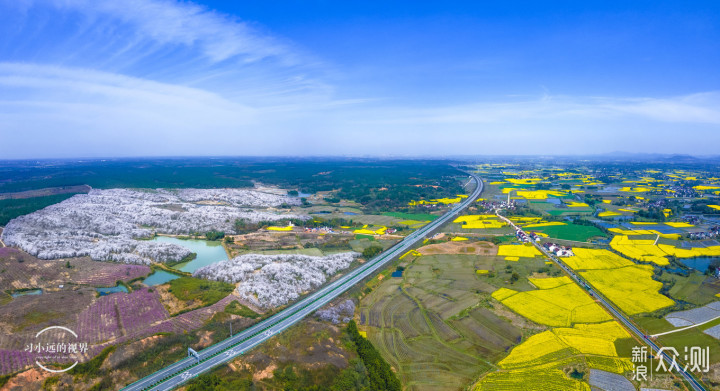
<point x="557" y="302"/>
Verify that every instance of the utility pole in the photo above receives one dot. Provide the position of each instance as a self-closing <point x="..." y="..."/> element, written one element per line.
<point x="230" y="327"/>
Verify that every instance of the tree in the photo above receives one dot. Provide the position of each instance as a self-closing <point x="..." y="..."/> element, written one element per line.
<point x="214" y="235"/>
<point x="205" y="382"/>
<point x="371" y="251"/>
<point x="381" y="376"/>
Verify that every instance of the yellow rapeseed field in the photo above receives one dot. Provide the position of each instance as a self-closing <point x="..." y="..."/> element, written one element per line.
<point x="554" y="344"/>
<point x="539" y="194"/>
<point x="503" y="293"/>
<point x="288" y="228"/>
<point x="631" y="288"/>
<point x="561" y="304"/>
<point x="641" y="250"/>
<point x="482" y="224"/>
<point x="577" y="205"/>
<point x="712" y="251"/>
<point x="466" y="218"/>
<point x="367" y="231"/>
<point x="586" y="259"/>
<point x="549" y="283"/>
<point x="648" y="251"/>
<point x="534" y="348"/>
<point x="679" y="225"/>
<point x="479" y="221"/>
<point x="537" y="379"/>
<point x="518" y="250"/>
<point x="524" y="181"/>
<point x="632" y="232"/>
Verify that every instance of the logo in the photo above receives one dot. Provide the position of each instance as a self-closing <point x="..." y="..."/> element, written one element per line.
<point x="57" y="345"/>
<point x="696" y="359"/>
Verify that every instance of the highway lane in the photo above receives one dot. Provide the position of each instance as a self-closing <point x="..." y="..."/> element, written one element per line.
<point x="183" y="370"/>
<point x="610" y="307"/>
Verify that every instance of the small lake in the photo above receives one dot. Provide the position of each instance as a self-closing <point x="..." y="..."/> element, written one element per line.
<point x="31" y="292"/>
<point x="159" y="277"/>
<point x="208" y="252"/>
<point x="111" y="290"/>
<point x="700" y="263"/>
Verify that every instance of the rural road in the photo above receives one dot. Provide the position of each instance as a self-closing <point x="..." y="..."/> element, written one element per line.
<point x="186" y="369"/>
<point x="631" y="326"/>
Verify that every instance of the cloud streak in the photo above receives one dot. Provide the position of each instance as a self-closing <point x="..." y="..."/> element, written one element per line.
<point x="219" y="37"/>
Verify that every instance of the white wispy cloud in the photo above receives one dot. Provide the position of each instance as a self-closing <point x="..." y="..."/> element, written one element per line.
<point x="218" y="36"/>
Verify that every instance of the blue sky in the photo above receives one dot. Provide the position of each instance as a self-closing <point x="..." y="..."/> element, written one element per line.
<point x="95" y="78"/>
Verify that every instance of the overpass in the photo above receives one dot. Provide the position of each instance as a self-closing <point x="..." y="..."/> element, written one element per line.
<point x="182" y="371"/>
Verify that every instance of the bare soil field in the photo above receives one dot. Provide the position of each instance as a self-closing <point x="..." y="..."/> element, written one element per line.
<point x="478" y="248"/>
<point x="45" y="192"/>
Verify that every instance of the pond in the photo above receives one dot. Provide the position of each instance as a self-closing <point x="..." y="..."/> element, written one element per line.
<point x="208" y="252"/>
<point x="700" y="263"/>
<point x="159" y="277"/>
<point x="111" y="290"/>
<point x="27" y="293"/>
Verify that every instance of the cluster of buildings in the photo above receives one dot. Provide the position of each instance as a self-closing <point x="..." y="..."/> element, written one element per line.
<point x="558" y="250"/>
<point x="714" y="232"/>
<point x="321" y="230"/>
<point x="526" y="238"/>
<point x="679" y="191"/>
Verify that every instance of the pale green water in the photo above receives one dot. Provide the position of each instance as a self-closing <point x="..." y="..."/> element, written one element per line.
<point x="159" y="277"/>
<point x="108" y="291"/>
<point x="26" y="293"/>
<point x="207" y="252"/>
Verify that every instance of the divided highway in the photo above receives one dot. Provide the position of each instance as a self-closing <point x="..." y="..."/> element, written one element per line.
<point x="180" y="372"/>
<point x="610" y="307"/>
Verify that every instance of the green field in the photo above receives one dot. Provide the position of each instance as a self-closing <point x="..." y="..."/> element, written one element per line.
<point x="697" y="288"/>
<point x="435" y="325"/>
<point x="554" y="210"/>
<point x="411" y="216"/>
<point x="208" y="292"/>
<point x="579" y="233"/>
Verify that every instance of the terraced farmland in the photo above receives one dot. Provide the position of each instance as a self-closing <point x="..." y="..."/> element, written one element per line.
<point x="430" y="324"/>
